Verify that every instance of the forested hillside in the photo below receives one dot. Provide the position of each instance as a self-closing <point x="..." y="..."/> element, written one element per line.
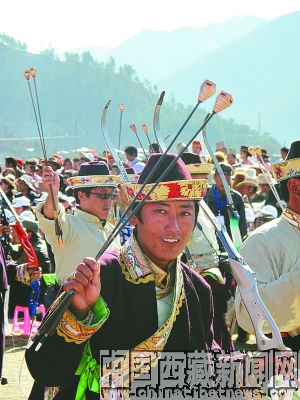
<point x="72" y="95"/>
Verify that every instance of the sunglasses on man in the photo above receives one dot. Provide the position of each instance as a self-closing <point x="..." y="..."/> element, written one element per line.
<point x="105" y="196"/>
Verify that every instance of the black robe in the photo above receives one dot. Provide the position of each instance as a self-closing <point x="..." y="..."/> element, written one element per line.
<point x="133" y="319"/>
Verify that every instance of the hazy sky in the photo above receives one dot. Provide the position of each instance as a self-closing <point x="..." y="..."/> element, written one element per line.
<point x="68" y="24"/>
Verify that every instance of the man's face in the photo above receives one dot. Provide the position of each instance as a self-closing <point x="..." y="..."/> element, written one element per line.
<point x="245" y="190"/>
<point x="264" y="187"/>
<point x="68" y="165"/>
<point x="283" y="155"/>
<point x="19" y="210"/>
<point x="76" y="166"/>
<point x="196" y="149"/>
<point x="219" y="183"/>
<point x="165" y="229"/>
<point x="231" y="159"/>
<point x="129" y="157"/>
<point x="22" y="185"/>
<point x="95" y="205"/>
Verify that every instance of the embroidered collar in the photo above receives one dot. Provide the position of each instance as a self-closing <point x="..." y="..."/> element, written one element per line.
<point x="140" y="269"/>
<point x="291" y="217"/>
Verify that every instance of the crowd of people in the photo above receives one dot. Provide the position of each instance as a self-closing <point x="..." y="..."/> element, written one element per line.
<point x="165" y="278"/>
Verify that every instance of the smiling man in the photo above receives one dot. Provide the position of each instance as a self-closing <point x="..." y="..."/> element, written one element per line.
<point x="86" y="231"/>
<point x="150" y="301"/>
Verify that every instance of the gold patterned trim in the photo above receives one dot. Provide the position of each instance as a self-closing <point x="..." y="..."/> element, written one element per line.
<point x="77" y="182"/>
<point x="176" y="190"/>
<point x="133" y="264"/>
<point x="201" y="168"/>
<point x="149" y="350"/>
<point x="74" y="331"/>
<point x="286" y="169"/>
<point x="291" y="217"/>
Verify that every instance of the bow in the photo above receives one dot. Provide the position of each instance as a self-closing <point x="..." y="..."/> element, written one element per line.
<point x="156" y="125"/>
<point x="32" y="261"/>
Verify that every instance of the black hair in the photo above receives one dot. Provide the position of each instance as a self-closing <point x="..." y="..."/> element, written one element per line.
<point x="155" y="147"/>
<point x="284" y="189"/>
<point x="11" y="160"/>
<point x="285" y="149"/>
<point x="86" y="190"/>
<point x="131" y="150"/>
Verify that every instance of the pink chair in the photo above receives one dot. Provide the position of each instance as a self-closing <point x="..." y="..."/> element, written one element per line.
<point x="24" y="324"/>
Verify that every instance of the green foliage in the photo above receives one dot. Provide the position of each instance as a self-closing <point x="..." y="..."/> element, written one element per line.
<point x="11" y="42"/>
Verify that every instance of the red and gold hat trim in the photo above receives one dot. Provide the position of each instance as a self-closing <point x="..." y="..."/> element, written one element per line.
<point x="176" y="190"/>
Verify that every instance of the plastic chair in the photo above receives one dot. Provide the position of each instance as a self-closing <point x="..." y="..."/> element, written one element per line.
<point x="24" y="324"/>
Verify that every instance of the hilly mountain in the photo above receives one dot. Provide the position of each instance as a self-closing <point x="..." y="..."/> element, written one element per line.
<point x="155" y="55"/>
<point x="98" y="52"/>
<point x="72" y="95"/>
<point x="260" y="70"/>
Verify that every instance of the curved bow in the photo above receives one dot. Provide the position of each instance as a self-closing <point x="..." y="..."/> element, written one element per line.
<point x="233" y="214"/>
<point x="110" y="145"/>
<point x="156" y="125"/>
<point x="32" y="261"/>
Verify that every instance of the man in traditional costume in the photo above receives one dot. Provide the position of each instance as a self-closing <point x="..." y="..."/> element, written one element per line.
<point x="150" y="301"/>
<point x="273" y="252"/>
<point x="87" y="230"/>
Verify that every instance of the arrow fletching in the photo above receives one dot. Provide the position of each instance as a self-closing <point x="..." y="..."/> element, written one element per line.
<point x="257" y="150"/>
<point x="223" y="101"/>
<point x="207" y="90"/>
<point x="133" y="128"/>
<point x="251" y="150"/>
<point x="26" y="74"/>
<point x="145" y="128"/>
<point x="32" y="71"/>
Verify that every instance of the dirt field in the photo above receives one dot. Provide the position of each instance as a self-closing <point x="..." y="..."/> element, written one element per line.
<point x="13" y="367"/>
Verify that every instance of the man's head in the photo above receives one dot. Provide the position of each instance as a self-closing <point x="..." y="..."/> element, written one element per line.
<point x="221" y="146"/>
<point x="249" y="185"/>
<point x="21" y="204"/>
<point x="228" y="171"/>
<point x="167" y="219"/>
<point x="68" y="164"/>
<point x="195" y="166"/>
<point x="154" y="148"/>
<point x="196" y="147"/>
<point x="244" y="153"/>
<point x="53" y="162"/>
<point x="32" y="227"/>
<point x="25" y="184"/>
<point x="130" y="153"/>
<point x="231" y="156"/>
<point x="94" y="188"/>
<point x="10" y="162"/>
<point x="64" y="200"/>
<point x="287" y="173"/>
<point x="31" y="166"/>
<point x="263" y="183"/>
<point x="284" y="152"/>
